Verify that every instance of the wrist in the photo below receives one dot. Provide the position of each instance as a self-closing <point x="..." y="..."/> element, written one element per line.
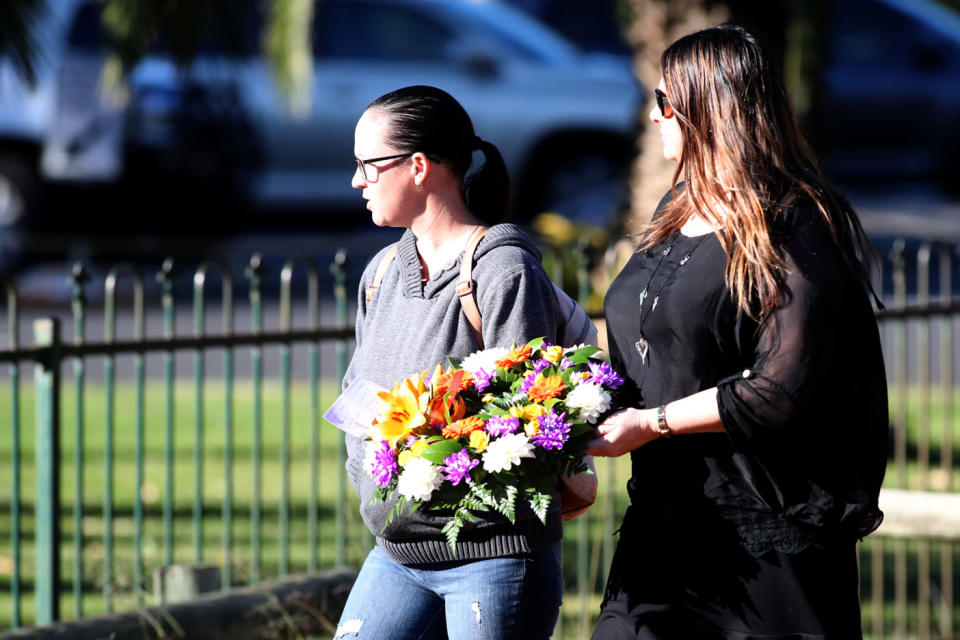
<point x="661" y="426"/>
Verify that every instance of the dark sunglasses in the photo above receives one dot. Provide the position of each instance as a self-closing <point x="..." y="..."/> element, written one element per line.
<point x="663" y="103"/>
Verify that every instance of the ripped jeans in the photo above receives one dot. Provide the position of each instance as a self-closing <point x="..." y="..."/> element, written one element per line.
<point x="496" y="599"/>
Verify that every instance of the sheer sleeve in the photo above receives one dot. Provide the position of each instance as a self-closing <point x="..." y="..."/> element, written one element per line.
<point x="795" y="356"/>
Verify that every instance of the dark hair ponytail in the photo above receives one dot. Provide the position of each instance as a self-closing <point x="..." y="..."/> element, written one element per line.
<point x="487" y="190"/>
<point x="431" y="121"/>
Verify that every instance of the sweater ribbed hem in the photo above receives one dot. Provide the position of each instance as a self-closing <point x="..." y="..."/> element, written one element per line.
<point x="523" y="537"/>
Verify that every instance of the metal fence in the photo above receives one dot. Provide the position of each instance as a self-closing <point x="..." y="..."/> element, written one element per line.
<point x="207" y="448"/>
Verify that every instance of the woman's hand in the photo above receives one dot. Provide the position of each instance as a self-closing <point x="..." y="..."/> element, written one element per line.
<point x="623" y="432"/>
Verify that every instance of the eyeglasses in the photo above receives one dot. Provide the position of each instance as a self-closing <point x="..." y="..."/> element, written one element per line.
<point x="371" y="172"/>
<point x="663" y="103"/>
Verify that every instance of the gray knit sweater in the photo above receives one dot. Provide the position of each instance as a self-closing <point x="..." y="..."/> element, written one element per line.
<point x="408" y="328"/>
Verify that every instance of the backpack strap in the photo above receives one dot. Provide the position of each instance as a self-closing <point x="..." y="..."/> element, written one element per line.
<point x="381" y="270"/>
<point x="465" y="289"/>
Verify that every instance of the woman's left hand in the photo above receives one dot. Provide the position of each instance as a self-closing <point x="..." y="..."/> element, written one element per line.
<point x="623" y="432"/>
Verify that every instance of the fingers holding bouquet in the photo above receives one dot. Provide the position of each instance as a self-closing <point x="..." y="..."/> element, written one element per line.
<point x="622" y="432"/>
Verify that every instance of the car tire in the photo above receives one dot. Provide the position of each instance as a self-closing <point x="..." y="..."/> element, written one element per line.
<point x="18" y="192"/>
<point x="585" y="185"/>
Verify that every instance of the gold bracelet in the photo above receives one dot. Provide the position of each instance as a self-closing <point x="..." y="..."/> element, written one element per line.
<point x="662" y="426"/>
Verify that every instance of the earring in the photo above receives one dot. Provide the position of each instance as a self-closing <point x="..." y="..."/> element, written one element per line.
<point x="419" y="186"/>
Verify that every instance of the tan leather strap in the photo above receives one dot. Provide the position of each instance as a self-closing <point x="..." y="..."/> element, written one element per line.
<point x="465" y="289"/>
<point x="381" y="270"/>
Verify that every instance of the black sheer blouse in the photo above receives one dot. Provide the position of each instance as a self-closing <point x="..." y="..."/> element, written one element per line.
<point x="802" y="395"/>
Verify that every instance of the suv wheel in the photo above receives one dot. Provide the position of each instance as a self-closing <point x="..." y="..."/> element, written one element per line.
<point x="17" y="191"/>
<point x="586" y="186"/>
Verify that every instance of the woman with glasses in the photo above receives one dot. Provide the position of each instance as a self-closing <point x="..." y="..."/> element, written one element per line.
<point x="414" y="148"/>
<point x="745" y="326"/>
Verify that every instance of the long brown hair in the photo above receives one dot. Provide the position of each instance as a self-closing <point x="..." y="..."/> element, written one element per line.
<point x="742" y="154"/>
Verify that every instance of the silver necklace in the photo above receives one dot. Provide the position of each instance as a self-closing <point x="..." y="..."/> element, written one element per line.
<point x="642" y="345"/>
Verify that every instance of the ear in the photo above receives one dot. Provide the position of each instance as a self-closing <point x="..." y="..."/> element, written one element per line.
<point x="420" y="166"/>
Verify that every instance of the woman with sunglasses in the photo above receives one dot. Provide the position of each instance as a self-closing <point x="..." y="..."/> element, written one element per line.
<point x="745" y="326"/>
<point x="414" y="149"/>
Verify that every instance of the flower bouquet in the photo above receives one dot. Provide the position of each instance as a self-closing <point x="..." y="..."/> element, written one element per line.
<point x="497" y="427"/>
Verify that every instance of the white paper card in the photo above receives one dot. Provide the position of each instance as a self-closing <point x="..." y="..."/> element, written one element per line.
<point x="353" y="412"/>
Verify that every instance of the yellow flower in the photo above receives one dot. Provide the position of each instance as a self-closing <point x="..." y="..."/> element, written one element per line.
<point x="402" y="411"/>
<point x="531" y="428"/>
<point x="487" y="397"/>
<point x="417" y="449"/>
<point x="553" y="354"/>
<point x="532" y="411"/>
<point x="479" y="440"/>
<point x="516" y="412"/>
<point x="405" y="456"/>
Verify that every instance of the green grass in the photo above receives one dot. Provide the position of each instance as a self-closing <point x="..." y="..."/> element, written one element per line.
<point x="596" y="530"/>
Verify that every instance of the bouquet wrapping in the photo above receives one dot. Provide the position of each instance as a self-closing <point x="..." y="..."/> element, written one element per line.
<point x="500" y="426"/>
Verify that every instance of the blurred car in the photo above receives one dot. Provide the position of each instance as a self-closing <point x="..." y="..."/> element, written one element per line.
<point x="563" y="120"/>
<point x="890" y="92"/>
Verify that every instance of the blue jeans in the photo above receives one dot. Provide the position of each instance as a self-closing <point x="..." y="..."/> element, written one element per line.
<point x="495" y="599"/>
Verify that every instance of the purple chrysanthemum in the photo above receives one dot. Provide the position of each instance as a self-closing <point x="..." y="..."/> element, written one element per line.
<point x="605" y="375"/>
<point x="499" y="426"/>
<point x="554" y="431"/>
<point x="565" y="363"/>
<point x="482" y="379"/>
<point x="527" y="382"/>
<point x="540" y="365"/>
<point x="457" y="467"/>
<point x="384" y="466"/>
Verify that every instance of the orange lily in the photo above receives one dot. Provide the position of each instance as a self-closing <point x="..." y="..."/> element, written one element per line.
<point x="403" y="410"/>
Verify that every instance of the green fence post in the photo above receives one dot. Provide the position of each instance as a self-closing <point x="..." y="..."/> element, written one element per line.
<point x="226" y="310"/>
<point x="13" y="341"/>
<point x="286" y="324"/>
<point x="254" y="273"/>
<point x="199" y="375"/>
<point x="47" y="398"/>
<point x="78" y="279"/>
<point x="339" y="270"/>
<point x="109" y="453"/>
<point x="165" y="278"/>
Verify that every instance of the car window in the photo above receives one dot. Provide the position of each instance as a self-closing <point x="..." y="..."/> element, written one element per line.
<point x="236" y="33"/>
<point x="87" y="32"/>
<point x="872" y="36"/>
<point x="380" y="31"/>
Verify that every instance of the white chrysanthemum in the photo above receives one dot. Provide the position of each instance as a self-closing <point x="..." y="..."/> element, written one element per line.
<point x="485" y="360"/>
<point x="589" y="400"/>
<point x="506" y="451"/>
<point x="419" y="479"/>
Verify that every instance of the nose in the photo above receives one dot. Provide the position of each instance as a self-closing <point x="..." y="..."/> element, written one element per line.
<point x="655" y="115"/>
<point x="358" y="181"/>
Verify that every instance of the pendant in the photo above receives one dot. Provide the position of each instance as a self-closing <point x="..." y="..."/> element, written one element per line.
<point x="655" y="301"/>
<point x="642" y="348"/>
<point x="643" y="296"/>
